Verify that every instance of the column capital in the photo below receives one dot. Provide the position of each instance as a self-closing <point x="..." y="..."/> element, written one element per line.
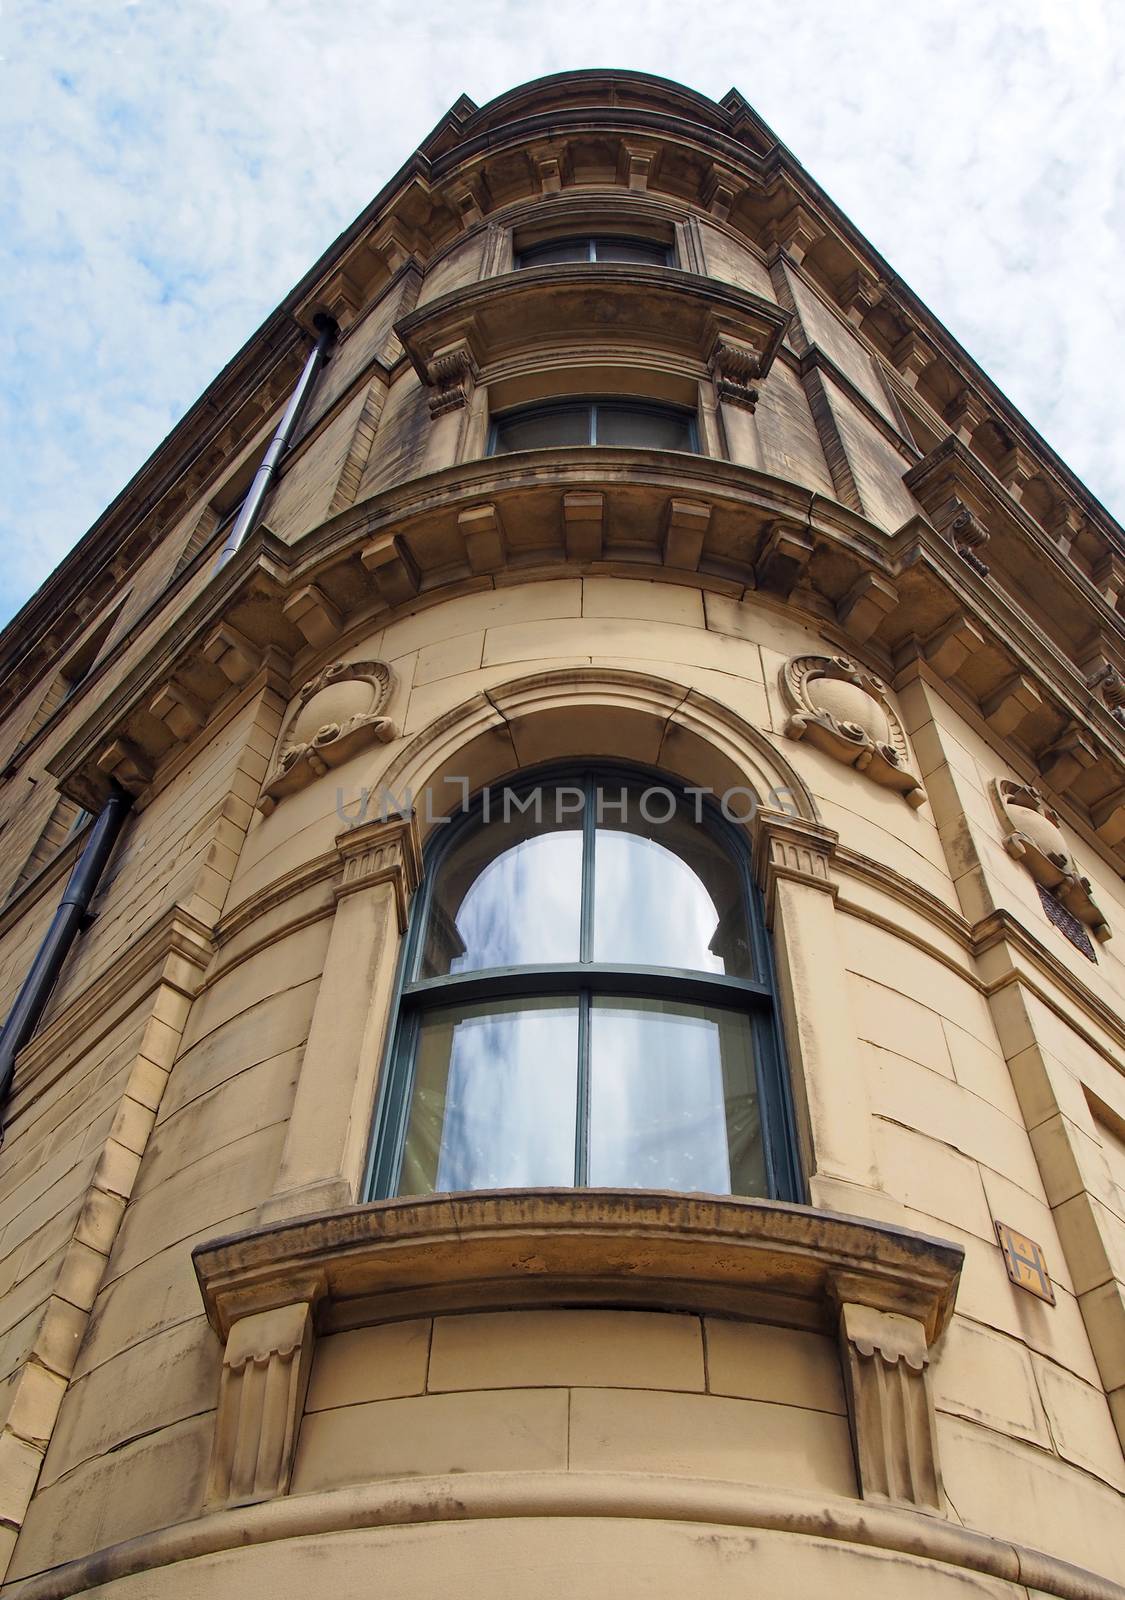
<point x="787" y="846"/>
<point x="384" y="851"/>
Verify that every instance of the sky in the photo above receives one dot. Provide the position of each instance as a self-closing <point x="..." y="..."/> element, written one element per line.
<point x="170" y="168"/>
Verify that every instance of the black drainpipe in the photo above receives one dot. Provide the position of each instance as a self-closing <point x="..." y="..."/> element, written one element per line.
<point x="251" y="508"/>
<point x="66" y="925"/>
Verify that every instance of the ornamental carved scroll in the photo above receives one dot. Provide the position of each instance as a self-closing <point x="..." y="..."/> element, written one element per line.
<point x="1035" y="838"/>
<point x="337" y="714"/>
<point x="844" y="711"/>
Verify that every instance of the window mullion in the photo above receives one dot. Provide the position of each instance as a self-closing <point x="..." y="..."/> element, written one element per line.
<point x="582" y="1119"/>
<point x="593" y="424"/>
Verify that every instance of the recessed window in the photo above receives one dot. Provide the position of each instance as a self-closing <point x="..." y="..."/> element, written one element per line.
<point x="586" y="1000"/>
<point x="634" y="424"/>
<point x="637" y="252"/>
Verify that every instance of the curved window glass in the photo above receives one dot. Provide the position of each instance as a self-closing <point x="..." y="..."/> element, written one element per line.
<point x="633" y="423"/>
<point x="641" y="252"/>
<point x="586" y="999"/>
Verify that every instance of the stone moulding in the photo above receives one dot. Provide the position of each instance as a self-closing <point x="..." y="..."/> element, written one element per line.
<point x="1036" y="840"/>
<point x="844" y="711"/>
<point x="874" y="1284"/>
<point x="508" y="322"/>
<point x="336" y="715"/>
<point x="948" y="1549"/>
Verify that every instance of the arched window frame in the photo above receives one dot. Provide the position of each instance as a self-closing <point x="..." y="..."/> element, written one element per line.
<point x="755" y="997"/>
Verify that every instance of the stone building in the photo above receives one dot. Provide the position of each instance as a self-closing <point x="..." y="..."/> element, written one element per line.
<point x="702" y="1171"/>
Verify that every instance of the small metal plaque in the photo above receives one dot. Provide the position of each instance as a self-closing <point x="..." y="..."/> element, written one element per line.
<point x="1025" y="1262"/>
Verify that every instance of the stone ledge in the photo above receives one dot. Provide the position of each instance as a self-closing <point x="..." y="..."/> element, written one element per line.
<point x="465" y="1497"/>
<point x="410" y="1257"/>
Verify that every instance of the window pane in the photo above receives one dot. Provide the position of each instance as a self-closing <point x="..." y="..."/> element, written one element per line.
<point x="673" y="1098"/>
<point x="542" y="430"/>
<point x="495" y="1092"/>
<point x="508" y="894"/>
<point x="641" y="428"/>
<point x="666" y="894"/>
<point x="642" y="251"/>
<point x="545" y="255"/>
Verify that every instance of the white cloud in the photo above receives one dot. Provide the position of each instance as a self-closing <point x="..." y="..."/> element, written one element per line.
<point x="170" y="170"/>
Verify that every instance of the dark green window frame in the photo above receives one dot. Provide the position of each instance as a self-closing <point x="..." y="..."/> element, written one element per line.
<point x="532" y="256"/>
<point x="591" y="406"/>
<point x="586" y="979"/>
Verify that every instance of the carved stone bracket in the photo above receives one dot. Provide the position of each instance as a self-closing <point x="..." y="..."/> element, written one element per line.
<point x="452" y="373"/>
<point x="262" y="1390"/>
<point x="969" y="536"/>
<point x="336" y="715"/>
<point x="890" y="1405"/>
<point x="385" y="851"/>
<point x="785" y="554"/>
<point x="734" y="366"/>
<point x="790" y="847"/>
<point x="1036" y="840"/>
<point x="844" y="711"/>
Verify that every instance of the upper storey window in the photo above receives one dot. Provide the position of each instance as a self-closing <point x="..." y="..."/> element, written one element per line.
<point x="634" y="252"/>
<point x="586" y="1001"/>
<point x="631" y="423"/>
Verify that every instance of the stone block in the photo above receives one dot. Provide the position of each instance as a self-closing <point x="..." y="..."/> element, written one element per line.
<point x="755" y="1361"/>
<point x="540" y="1349"/>
<point x="364" y="1364"/>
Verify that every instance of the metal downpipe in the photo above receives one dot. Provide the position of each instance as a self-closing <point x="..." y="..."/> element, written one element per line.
<point x="251" y="507"/>
<point x="67" y="923"/>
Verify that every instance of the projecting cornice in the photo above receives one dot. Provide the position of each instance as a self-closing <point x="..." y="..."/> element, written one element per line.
<point x="897" y="604"/>
<point x="517" y="321"/>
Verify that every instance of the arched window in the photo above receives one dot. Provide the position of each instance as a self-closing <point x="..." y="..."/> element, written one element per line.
<point x="612" y="420"/>
<point x="586" y="999"/>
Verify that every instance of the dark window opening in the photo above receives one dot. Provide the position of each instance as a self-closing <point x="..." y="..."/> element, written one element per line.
<point x="633" y="424"/>
<point x="555" y="252"/>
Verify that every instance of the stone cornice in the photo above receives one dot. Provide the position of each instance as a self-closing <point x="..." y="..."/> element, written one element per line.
<point x="512" y="320"/>
<point x="436" y="1253"/>
<point x="392" y="553"/>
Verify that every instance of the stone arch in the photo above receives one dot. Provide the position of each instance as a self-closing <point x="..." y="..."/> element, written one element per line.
<point x="586" y="712"/>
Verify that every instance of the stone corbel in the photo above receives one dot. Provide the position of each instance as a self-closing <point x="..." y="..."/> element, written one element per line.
<point x="262" y="1388"/>
<point x="126" y="765"/>
<point x="636" y="164"/>
<point x="845" y="712"/>
<point x="1007" y="706"/>
<point x="470" y="199"/>
<point x="550" y="164"/>
<point x="950" y="647"/>
<point x="911" y="356"/>
<point x="452" y="373"/>
<point x="890" y="1404"/>
<point x="685" y="528"/>
<point x="317" y="617"/>
<point x="867" y="602"/>
<point x="795" y="232"/>
<point x="390" y="563"/>
<point x="720" y="189"/>
<point x="734" y="365"/>
<point x="583" y="526"/>
<point x="1064" y="524"/>
<point x="1109" y="576"/>
<point x="395" y="242"/>
<point x="1107" y="681"/>
<point x="1109" y="817"/>
<point x="181" y="712"/>
<point x="966" y="414"/>
<point x="234" y="655"/>
<point x="969" y="536"/>
<point x="483" y="532"/>
<point x="1016" y="470"/>
<point x="1066" y="759"/>
<point x="858" y="295"/>
<point x="786" y="551"/>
